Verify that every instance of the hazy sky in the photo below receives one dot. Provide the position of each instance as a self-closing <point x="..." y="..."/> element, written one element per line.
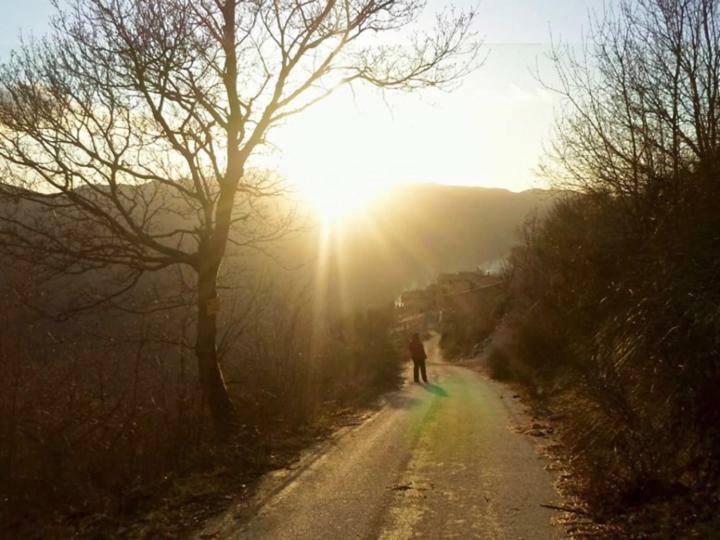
<point x="489" y="132"/>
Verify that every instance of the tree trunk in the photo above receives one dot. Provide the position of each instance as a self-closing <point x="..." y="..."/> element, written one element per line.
<point x="212" y="383"/>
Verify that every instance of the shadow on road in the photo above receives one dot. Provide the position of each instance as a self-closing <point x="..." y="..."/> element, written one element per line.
<point x="437" y="390"/>
<point x="400" y="401"/>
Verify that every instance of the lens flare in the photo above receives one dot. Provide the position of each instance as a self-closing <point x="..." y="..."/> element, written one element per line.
<point x="335" y="203"/>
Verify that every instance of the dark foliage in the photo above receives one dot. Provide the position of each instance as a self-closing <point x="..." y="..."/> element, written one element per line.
<point x="627" y="321"/>
<point x="97" y="430"/>
<point x="614" y="295"/>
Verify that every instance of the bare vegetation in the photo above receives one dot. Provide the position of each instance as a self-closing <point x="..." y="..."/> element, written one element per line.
<point x="133" y="110"/>
<point x="105" y="421"/>
<point x="127" y="182"/>
<point x="613" y="296"/>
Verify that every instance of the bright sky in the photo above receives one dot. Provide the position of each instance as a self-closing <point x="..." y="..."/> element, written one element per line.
<point x="489" y="132"/>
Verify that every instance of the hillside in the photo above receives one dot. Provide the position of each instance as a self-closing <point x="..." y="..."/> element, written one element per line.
<point x="402" y="241"/>
<point x="417" y="231"/>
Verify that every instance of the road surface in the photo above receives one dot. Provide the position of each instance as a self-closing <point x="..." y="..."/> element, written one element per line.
<point x="436" y="461"/>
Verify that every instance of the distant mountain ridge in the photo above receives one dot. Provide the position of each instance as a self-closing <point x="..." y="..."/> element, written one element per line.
<point x="402" y="241"/>
<point x="415" y="232"/>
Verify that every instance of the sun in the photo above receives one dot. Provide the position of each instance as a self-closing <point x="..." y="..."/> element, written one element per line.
<point x="335" y="203"/>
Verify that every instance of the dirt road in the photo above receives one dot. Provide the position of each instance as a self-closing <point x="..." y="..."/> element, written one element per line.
<point x="436" y="461"/>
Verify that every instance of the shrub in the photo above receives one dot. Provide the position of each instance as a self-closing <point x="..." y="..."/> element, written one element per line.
<point x="499" y="364"/>
<point x="617" y="321"/>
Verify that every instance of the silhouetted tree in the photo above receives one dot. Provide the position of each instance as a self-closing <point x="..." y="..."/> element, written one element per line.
<point x="135" y="110"/>
<point x="618" y="284"/>
<point x="642" y="119"/>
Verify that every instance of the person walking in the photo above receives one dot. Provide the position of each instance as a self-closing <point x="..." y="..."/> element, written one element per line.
<point x="417" y="353"/>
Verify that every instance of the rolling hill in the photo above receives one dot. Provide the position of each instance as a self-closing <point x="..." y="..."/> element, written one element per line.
<point x="412" y="234"/>
<point x="402" y="241"/>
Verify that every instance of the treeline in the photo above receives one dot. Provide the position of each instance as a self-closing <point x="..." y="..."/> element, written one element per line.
<point x="612" y="298"/>
<point x="102" y="416"/>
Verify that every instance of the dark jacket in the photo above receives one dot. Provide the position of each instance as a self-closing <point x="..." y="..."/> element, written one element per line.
<point x="417" y="351"/>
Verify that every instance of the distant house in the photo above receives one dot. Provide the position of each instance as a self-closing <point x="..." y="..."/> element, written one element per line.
<point x="450" y="291"/>
<point x="416" y="301"/>
<point x="465" y="291"/>
<point x="463" y="282"/>
<point x="449" y="284"/>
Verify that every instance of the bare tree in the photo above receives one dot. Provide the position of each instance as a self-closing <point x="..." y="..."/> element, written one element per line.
<point x="642" y="119"/>
<point x="132" y="111"/>
<point x="630" y="266"/>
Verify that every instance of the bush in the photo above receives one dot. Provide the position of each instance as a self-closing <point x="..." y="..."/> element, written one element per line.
<point x="617" y="321"/>
<point x="93" y="425"/>
<point x="499" y="364"/>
